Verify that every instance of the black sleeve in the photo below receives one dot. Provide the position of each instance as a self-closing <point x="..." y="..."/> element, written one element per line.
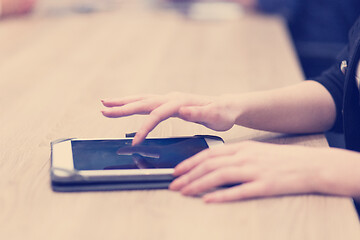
<point x="333" y="80"/>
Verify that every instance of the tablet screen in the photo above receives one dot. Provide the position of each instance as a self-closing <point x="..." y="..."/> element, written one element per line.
<point x="119" y="154"/>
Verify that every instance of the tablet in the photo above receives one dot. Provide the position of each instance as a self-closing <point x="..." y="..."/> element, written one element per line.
<point x="90" y="162"/>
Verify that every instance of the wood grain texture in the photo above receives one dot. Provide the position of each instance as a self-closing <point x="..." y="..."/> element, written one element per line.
<point x="53" y="73"/>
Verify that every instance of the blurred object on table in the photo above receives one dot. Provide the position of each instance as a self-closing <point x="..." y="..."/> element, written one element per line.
<point x="12" y="8"/>
<point x="66" y="7"/>
<point x="213" y="10"/>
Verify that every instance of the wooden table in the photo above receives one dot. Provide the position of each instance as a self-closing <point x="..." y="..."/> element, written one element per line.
<point x="55" y="70"/>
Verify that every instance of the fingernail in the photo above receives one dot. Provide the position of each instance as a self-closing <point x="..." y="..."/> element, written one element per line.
<point x="187" y="191"/>
<point x="179" y="170"/>
<point x="137" y="139"/>
<point x="180" y="182"/>
<point x="208" y="199"/>
<point x="176" y="172"/>
<point x="175" y="185"/>
<point x="134" y="141"/>
<point x="172" y="186"/>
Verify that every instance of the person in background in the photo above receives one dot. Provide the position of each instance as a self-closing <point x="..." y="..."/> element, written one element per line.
<point x="330" y="101"/>
<point x="318" y="27"/>
<point x="11" y="8"/>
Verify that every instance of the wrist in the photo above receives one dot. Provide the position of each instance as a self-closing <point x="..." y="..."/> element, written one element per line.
<point x="233" y="106"/>
<point x="247" y="108"/>
<point x="339" y="173"/>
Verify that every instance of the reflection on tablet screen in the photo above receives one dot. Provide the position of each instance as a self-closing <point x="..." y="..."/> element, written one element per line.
<point x="119" y="154"/>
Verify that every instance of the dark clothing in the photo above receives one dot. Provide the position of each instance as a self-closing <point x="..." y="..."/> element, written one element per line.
<point x="345" y="92"/>
<point x="318" y="28"/>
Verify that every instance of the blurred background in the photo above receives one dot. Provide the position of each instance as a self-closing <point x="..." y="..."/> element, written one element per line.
<point x="318" y="28"/>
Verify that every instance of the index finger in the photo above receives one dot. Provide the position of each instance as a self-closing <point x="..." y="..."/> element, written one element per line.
<point x="158" y="115"/>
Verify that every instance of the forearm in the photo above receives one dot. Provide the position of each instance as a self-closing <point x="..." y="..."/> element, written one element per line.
<point x="303" y="108"/>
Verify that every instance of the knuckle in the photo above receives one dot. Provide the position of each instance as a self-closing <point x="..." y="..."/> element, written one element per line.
<point x="141" y="132"/>
<point x="155" y="116"/>
<point x="207" y="153"/>
<point x="186" y="115"/>
<point x="213" y="153"/>
<point x="267" y="188"/>
<point x="216" y="116"/>
<point x="243" y="161"/>
<point x="248" y="149"/>
<point x="224" y="176"/>
<point x="118" y="112"/>
<point x="245" y="156"/>
<point x="208" y="166"/>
